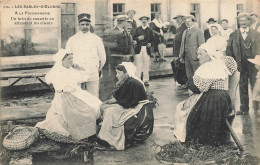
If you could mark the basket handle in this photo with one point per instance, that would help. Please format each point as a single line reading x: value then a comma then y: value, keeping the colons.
x: 16, y: 126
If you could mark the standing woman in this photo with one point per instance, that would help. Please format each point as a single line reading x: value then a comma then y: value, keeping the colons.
x: 73, y: 111
x: 157, y: 25
x: 216, y: 39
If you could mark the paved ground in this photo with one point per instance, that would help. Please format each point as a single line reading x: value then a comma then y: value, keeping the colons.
x: 247, y: 127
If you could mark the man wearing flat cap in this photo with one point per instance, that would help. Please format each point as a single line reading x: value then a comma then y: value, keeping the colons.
x: 255, y: 22
x: 88, y: 52
x: 144, y: 37
x: 244, y: 44
x: 121, y: 21
x: 114, y: 34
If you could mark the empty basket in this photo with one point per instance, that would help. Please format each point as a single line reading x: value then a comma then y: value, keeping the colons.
x: 20, y: 138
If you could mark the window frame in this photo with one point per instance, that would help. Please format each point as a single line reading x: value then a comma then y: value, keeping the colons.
x: 158, y: 9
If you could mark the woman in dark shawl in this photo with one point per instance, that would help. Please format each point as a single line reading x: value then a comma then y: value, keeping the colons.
x: 126, y: 116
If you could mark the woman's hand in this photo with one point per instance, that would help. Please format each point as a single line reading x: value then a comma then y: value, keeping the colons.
x: 75, y: 66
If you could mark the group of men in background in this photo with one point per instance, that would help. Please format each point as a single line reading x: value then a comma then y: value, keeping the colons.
x: 242, y: 44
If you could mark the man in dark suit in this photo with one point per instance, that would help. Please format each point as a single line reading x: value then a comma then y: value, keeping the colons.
x: 177, y: 38
x: 192, y: 38
x: 244, y: 44
x: 111, y: 40
x: 144, y: 37
x: 181, y: 77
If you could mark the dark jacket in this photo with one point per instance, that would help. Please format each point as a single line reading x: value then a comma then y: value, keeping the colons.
x: 134, y: 26
x: 148, y: 38
x: 233, y: 47
x: 177, y: 40
x: 193, y: 39
x: 206, y: 34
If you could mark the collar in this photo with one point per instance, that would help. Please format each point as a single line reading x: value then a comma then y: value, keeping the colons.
x: 191, y: 27
x: 244, y: 30
x: 120, y: 29
x: 84, y: 33
x: 144, y: 27
x: 158, y: 23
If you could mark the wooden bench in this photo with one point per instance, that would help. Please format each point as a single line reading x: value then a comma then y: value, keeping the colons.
x: 38, y: 74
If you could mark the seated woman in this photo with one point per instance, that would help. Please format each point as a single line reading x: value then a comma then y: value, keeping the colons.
x: 73, y: 111
x: 201, y: 118
x: 125, y: 118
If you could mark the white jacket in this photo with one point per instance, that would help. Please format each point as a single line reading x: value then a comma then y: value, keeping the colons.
x: 88, y: 52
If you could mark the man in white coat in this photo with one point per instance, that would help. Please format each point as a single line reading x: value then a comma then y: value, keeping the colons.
x: 88, y: 52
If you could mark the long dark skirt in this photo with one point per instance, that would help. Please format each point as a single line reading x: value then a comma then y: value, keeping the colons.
x: 206, y: 121
x: 138, y: 128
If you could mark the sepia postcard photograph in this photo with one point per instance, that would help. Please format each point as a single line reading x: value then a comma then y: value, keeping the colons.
x: 130, y: 82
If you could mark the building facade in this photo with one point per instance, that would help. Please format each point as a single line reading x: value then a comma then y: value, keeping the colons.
x: 28, y: 39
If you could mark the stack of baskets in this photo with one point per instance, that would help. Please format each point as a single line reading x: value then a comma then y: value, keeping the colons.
x: 21, y: 138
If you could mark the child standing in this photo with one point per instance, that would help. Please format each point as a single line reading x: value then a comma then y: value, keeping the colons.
x: 256, y: 90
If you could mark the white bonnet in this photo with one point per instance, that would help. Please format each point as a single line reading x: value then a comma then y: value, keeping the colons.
x: 59, y: 55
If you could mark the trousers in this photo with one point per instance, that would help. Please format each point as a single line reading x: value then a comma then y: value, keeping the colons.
x: 142, y: 63
x: 247, y: 75
x: 191, y: 65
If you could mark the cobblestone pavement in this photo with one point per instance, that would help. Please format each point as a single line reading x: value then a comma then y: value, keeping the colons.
x: 247, y: 128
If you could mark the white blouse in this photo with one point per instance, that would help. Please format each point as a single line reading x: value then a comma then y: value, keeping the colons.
x: 64, y: 79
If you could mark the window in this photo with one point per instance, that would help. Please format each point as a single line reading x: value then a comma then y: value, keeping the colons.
x: 240, y: 8
x: 118, y: 9
x: 195, y: 11
x: 155, y: 7
x: 67, y: 22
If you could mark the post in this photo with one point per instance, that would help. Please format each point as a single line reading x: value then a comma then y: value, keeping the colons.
x: 219, y: 10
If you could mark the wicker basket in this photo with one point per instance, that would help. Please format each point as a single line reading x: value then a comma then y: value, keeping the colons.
x: 20, y: 138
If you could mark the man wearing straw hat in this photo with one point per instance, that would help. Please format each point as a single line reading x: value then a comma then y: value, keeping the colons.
x: 144, y: 37
x: 88, y: 52
x: 244, y: 44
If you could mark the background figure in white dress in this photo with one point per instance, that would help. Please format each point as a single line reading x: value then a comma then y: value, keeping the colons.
x: 226, y: 29
x: 217, y: 40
